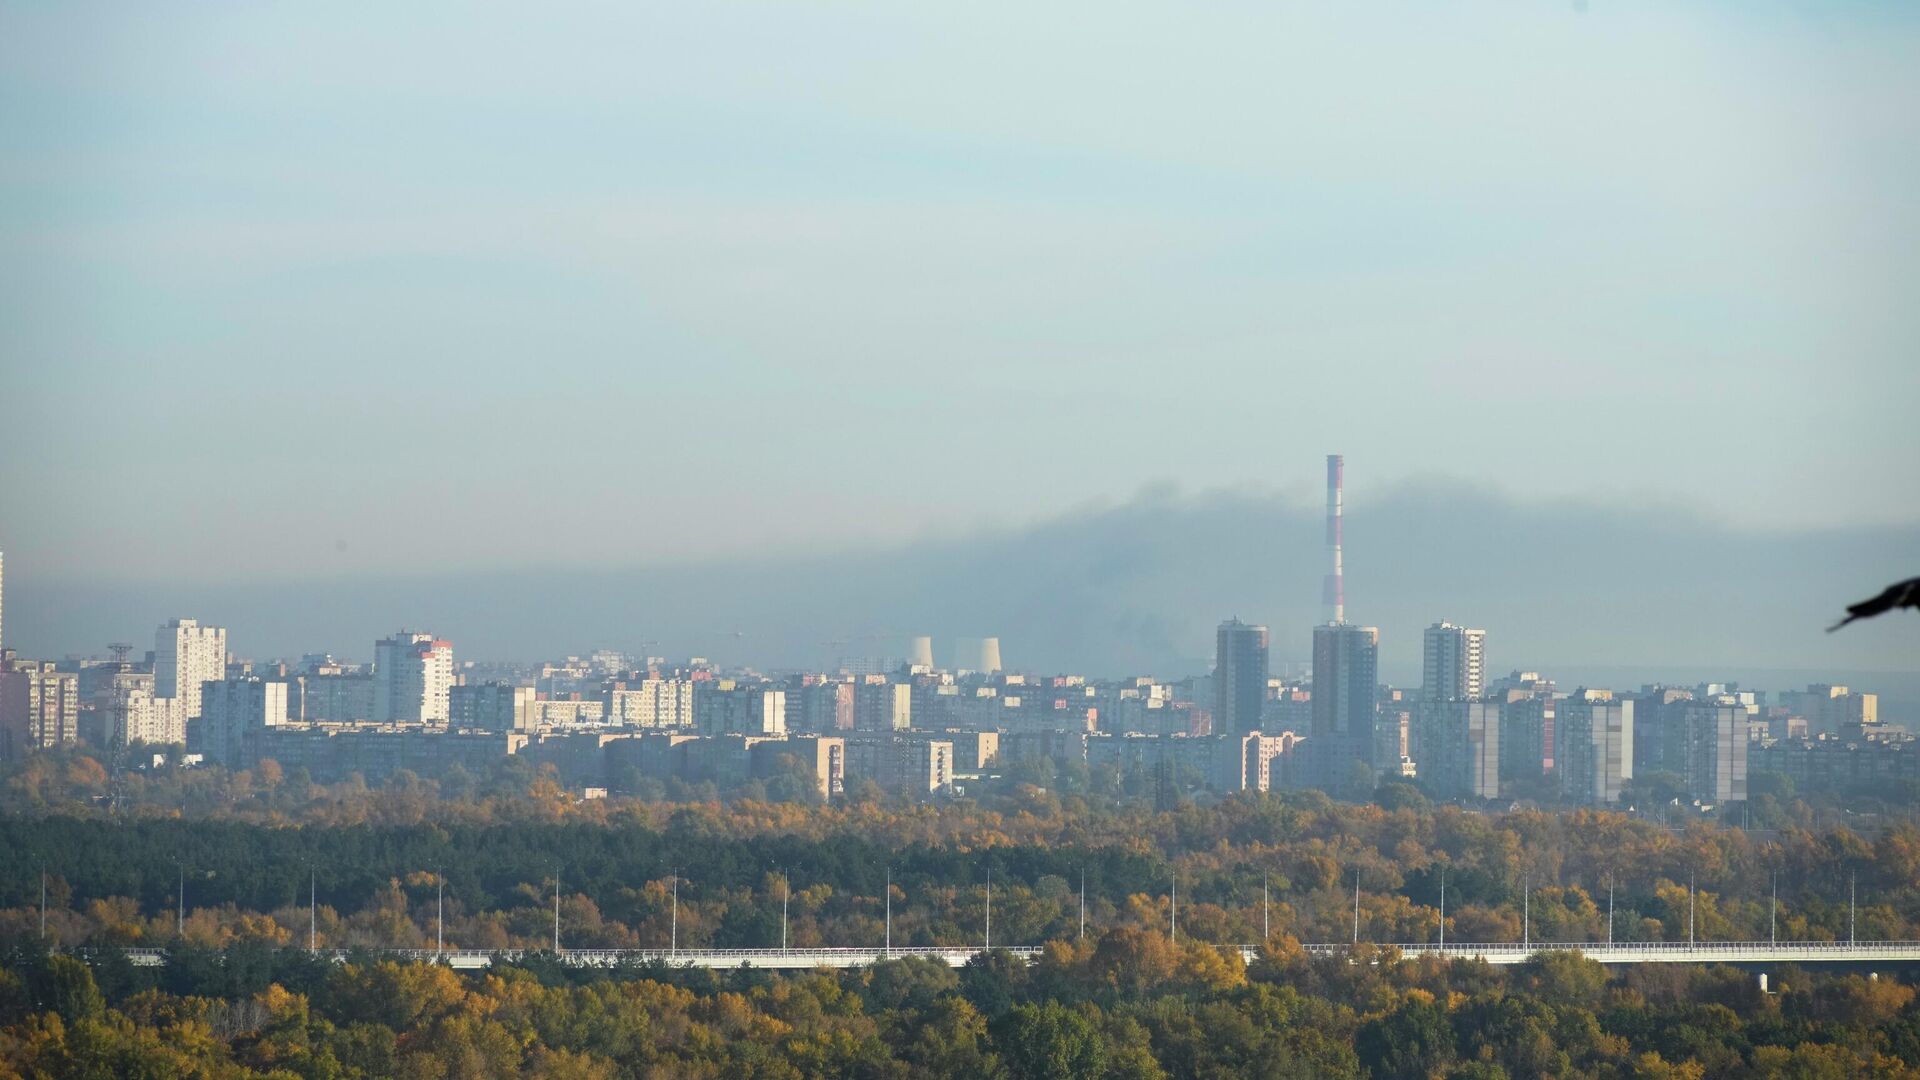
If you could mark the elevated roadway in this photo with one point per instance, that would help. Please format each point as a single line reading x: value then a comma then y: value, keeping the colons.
x: 1716, y: 952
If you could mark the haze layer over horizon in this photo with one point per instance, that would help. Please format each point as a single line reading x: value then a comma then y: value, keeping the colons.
x: 440, y: 293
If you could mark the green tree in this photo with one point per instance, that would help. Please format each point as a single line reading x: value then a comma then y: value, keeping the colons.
x: 1410, y: 1042
x: 1049, y: 1042
x: 65, y: 985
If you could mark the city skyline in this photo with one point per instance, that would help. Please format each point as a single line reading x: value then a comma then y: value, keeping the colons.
x: 979, y: 540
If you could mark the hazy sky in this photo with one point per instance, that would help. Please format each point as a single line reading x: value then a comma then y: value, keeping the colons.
x: 334, y: 290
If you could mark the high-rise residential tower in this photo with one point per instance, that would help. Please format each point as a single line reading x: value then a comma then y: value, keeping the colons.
x: 1454, y: 663
x: 187, y: 655
x: 879, y: 705
x: 1456, y: 746
x: 1595, y: 751
x: 412, y: 678
x: 1239, y: 677
x: 39, y: 707
x: 1346, y: 691
x: 1716, y: 750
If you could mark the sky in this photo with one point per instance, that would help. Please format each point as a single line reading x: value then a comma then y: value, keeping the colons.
x: 296, y: 293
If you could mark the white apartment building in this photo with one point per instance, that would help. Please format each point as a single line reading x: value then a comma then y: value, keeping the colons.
x: 185, y: 656
x: 1454, y: 667
x: 651, y: 703
x: 39, y: 707
x: 136, y: 715
x: 412, y: 678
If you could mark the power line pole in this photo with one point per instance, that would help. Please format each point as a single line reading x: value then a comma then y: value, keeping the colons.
x: 180, y: 920
x: 989, y: 909
x: 1526, y: 912
x: 786, y: 890
x: 556, y: 909
x: 440, y: 913
x: 313, y: 908
x: 1266, y: 915
x: 43, y: 903
x: 1853, y: 886
x: 673, y: 939
x: 1773, y: 908
x: 889, y: 945
x: 1443, y: 908
x: 1083, y: 903
x: 1609, y: 909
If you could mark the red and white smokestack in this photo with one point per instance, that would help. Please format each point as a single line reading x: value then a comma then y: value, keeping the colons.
x: 1336, y: 596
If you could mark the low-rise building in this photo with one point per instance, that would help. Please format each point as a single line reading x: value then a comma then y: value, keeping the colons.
x: 918, y: 766
x: 1254, y: 761
x: 824, y: 755
x: 331, y: 752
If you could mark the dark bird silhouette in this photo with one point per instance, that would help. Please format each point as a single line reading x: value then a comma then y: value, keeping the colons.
x: 1904, y: 594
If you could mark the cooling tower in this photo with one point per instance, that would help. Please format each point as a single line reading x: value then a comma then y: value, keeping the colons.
x: 989, y: 655
x: 921, y: 652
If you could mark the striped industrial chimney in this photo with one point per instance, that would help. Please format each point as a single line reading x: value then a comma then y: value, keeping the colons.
x: 1336, y: 596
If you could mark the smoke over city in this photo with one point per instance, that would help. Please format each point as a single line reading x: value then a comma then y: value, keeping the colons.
x: 1132, y: 587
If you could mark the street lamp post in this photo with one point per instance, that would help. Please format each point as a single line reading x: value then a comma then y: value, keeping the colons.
x: 1356, y: 909
x: 1609, y: 909
x: 1526, y: 912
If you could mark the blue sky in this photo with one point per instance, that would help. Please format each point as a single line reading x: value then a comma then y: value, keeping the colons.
x: 320, y: 290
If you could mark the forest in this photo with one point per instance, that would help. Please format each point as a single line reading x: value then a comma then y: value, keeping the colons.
x: 1125, y: 1004
x: 407, y: 864
x: 235, y: 875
